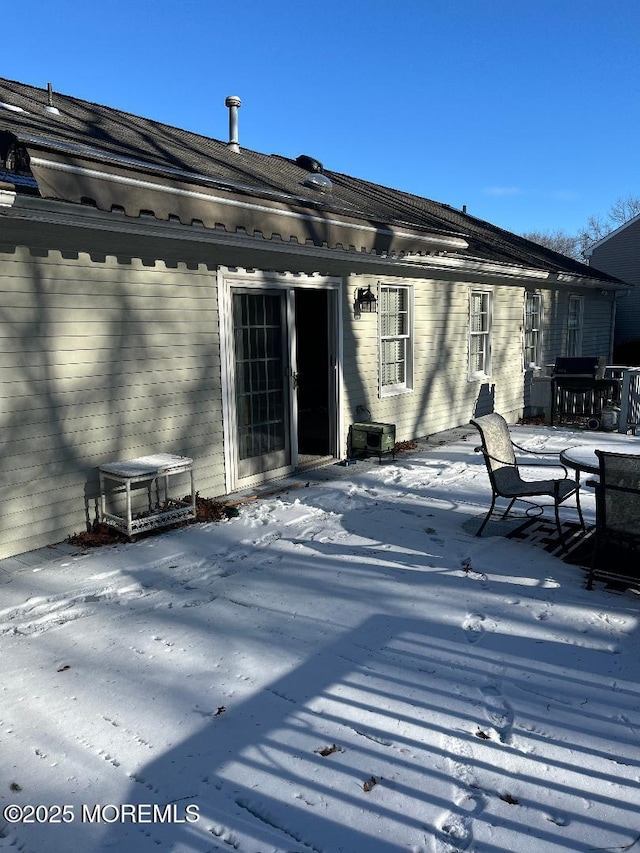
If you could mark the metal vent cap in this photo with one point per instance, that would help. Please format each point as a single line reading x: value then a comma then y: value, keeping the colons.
x: 309, y: 163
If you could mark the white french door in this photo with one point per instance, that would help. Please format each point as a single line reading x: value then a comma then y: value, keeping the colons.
x: 261, y: 360
x: 279, y: 343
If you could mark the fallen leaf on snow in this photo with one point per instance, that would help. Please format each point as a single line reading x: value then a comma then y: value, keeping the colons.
x: 509, y: 799
x: 328, y: 750
x: 369, y: 785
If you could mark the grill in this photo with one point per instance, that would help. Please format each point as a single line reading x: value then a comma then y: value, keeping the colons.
x: 579, y: 391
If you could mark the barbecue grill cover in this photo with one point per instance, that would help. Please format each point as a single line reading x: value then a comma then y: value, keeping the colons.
x: 586, y: 366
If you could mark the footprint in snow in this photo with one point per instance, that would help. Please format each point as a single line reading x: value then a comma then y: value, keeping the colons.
x: 460, y: 760
x: 455, y: 828
x: 455, y: 833
x: 498, y: 711
x: 474, y: 626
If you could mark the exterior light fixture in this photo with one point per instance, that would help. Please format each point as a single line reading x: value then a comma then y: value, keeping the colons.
x: 365, y: 302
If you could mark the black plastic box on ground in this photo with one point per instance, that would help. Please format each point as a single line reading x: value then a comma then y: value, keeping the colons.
x: 373, y: 437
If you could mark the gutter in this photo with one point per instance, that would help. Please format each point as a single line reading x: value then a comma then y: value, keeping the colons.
x: 480, y: 266
x: 65, y: 214
x: 52, y: 212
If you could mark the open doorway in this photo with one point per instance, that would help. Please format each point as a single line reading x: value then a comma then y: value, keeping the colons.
x: 314, y: 374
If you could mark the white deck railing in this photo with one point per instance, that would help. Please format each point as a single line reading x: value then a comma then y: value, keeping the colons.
x: 630, y: 400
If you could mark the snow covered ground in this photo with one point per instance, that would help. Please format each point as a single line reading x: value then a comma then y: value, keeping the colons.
x: 343, y: 667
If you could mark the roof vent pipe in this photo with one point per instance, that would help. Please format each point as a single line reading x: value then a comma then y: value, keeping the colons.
x: 233, y: 102
x: 50, y: 107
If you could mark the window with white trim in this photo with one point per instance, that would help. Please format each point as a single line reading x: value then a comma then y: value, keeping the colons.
x: 574, y: 326
x: 480, y: 307
x: 532, y: 330
x: 395, y: 324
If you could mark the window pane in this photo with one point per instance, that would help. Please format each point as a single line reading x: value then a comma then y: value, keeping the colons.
x: 393, y: 362
x: 479, y: 329
x: 479, y: 315
x: 477, y: 354
x: 574, y: 327
x: 532, y: 315
x: 393, y: 311
x: 395, y: 332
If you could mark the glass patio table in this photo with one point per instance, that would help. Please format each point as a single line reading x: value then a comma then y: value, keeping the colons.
x: 582, y: 458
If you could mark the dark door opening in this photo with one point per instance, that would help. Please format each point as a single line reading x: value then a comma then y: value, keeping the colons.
x: 313, y: 373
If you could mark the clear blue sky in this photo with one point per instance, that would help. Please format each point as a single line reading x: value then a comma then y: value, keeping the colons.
x: 527, y: 111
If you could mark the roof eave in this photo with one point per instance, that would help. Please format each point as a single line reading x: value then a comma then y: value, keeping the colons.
x: 54, y: 212
x: 588, y: 253
x: 484, y: 267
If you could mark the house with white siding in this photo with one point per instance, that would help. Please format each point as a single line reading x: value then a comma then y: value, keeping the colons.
x: 164, y: 292
x: 618, y: 254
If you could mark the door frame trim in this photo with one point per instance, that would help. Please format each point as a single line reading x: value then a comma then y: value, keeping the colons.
x: 229, y: 280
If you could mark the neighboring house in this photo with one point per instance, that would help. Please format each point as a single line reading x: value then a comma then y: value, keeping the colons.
x: 166, y: 292
x: 618, y: 254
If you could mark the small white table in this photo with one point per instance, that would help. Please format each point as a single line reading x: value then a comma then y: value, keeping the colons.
x: 149, y: 470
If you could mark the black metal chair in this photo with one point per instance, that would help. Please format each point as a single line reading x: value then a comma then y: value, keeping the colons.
x: 504, y: 473
x: 616, y: 553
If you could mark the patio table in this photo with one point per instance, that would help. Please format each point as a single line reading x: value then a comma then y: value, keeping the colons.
x: 583, y: 457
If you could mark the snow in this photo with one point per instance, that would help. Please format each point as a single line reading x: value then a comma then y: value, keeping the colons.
x: 342, y: 667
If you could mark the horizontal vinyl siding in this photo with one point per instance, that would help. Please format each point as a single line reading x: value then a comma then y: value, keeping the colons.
x: 596, y: 327
x: 596, y: 324
x: 442, y: 395
x: 620, y: 256
x: 100, y: 361
x: 555, y: 306
x: 507, y: 373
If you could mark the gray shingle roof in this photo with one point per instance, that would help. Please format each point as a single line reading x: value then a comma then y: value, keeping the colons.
x: 112, y: 135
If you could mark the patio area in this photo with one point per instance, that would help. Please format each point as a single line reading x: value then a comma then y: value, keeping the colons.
x: 342, y: 666
x: 529, y: 525
x: 533, y: 524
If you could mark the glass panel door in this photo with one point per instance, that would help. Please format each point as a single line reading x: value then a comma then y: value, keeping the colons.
x: 262, y: 405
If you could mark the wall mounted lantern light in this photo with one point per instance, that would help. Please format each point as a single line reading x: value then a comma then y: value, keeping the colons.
x: 365, y: 302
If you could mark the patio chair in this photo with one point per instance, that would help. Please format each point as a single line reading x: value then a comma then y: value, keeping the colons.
x: 617, y: 537
x: 504, y: 473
